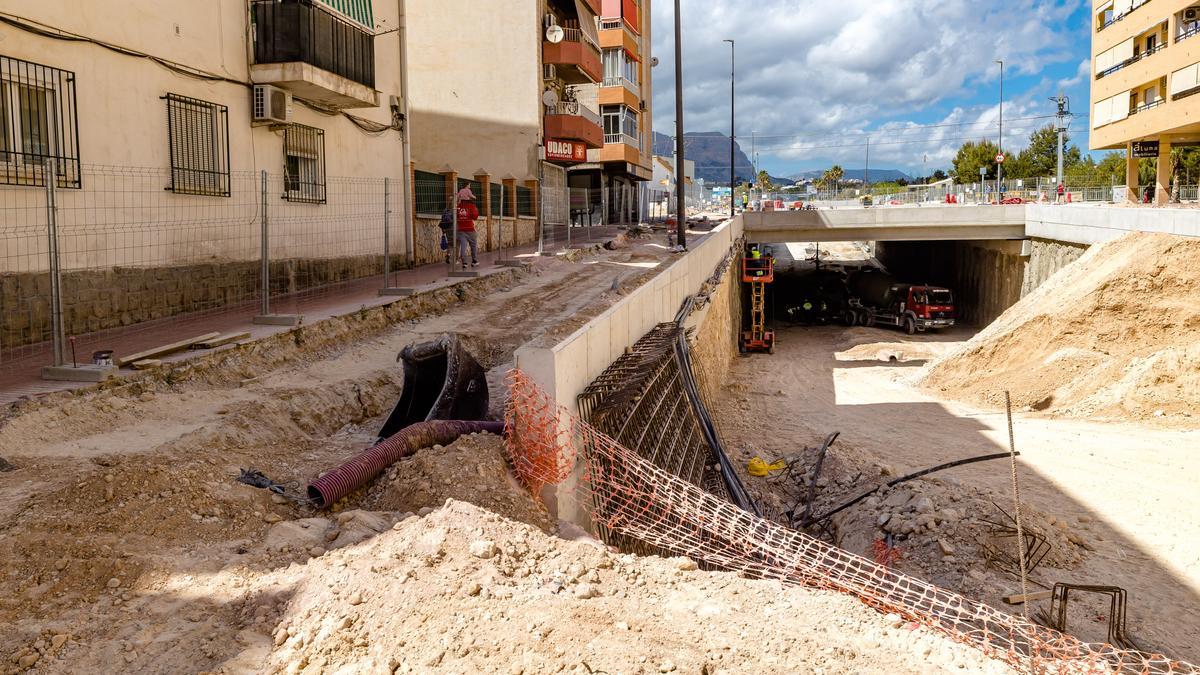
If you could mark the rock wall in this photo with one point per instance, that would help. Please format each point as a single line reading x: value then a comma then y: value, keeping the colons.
x: 714, y: 343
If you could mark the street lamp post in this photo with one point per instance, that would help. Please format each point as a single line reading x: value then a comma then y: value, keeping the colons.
x: 680, y: 199
x: 1000, y: 165
x: 732, y: 113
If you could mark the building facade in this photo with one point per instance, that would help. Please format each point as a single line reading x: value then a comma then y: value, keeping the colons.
x: 1145, y: 77
x: 622, y: 98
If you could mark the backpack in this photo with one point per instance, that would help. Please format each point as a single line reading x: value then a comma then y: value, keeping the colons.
x: 447, y: 222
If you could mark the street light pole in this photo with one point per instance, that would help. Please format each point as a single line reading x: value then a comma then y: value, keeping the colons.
x: 680, y: 198
x: 1000, y: 165
x: 732, y: 113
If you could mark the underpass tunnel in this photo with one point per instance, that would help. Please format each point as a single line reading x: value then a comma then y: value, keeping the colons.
x: 986, y: 277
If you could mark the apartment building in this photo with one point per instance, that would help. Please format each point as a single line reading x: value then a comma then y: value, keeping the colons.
x: 1145, y: 77
x: 621, y: 95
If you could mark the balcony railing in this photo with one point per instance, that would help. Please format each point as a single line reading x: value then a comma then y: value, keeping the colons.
x: 1194, y: 30
x: 1121, y: 17
x: 622, y: 82
x: 577, y: 35
x: 626, y: 139
x: 576, y: 109
x: 289, y: 31
x: 1147, y: 106
x: 1129, y: 62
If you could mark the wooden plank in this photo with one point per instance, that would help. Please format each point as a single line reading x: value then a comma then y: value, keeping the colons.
x: 220, y: 341
x: 146, y: 363
x: 1017, y: 598
x: 164, y: 349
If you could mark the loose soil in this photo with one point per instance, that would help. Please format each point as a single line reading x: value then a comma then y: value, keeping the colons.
x: 1105, y: 495
x: 1116, y: 335
x: 128, y: 546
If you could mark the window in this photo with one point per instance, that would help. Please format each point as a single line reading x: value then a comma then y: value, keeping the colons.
x: 619, y: 120
x: 304, y: 164
x: 199, y: 142
x: 37, y: 123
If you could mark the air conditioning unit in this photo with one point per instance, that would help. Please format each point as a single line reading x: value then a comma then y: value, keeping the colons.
x: 272, y: 105
x: 549, y: 72
x: 1191, y: 13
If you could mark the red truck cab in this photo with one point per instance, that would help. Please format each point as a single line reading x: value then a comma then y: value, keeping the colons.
x: 932, y: 306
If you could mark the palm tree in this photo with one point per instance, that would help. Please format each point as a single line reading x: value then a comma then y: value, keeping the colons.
x: 831, y: 177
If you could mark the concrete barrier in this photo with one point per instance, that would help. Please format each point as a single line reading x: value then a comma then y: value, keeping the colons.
x: 1087, y: 224
x: 958, y: 223
x: 565, y: 369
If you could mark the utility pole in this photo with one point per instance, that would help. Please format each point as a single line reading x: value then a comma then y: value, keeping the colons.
x: 680, y: 199
x: 1000, y: 165
x: 867, y: 169
x: 732, y: 113
x: 1064, y: 113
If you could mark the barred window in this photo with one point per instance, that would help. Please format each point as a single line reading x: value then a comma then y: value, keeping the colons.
x: 37, y: 123
x: 199, y: 141
x: 304, y: 164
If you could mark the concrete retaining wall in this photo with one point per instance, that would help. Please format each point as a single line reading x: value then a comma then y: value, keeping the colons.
x: 1082, y: 224
x: 563, y: 370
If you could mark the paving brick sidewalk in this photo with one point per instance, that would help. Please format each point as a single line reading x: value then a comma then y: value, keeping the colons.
x: 21, y: 376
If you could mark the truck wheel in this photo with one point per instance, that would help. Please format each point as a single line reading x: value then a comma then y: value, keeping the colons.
x: 848, y: 318
x: 868, y: 320
x: 910, y: 326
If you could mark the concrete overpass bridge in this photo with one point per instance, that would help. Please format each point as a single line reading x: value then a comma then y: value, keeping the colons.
x: 931, y: 223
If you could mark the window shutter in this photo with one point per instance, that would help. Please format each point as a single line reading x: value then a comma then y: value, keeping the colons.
x: 1185, y: 79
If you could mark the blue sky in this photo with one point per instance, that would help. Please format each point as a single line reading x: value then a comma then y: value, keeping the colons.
x: 916, y: 77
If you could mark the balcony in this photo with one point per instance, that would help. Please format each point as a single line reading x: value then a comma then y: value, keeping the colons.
x: 576, y: 59
x: 630, y: 85
x: 313, y: 53
x: 568, y: 120
x: 1136, y: 57
x: 621, y: 147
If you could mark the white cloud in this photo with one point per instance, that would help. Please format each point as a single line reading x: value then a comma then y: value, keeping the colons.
x: 828, y: 70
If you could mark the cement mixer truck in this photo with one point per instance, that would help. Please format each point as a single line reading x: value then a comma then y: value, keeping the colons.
x: 878, y: 299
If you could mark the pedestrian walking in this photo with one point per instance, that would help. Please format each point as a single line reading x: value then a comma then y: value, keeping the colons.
x: 468, y: 213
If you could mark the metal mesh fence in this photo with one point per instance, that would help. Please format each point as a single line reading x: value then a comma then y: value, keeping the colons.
x: 131, y: 253
x: 630, y: 496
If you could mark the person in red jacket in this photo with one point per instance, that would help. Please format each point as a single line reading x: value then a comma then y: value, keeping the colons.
x: 468, y: 213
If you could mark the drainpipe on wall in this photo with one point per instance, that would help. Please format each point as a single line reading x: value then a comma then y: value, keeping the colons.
x: 406, y: 172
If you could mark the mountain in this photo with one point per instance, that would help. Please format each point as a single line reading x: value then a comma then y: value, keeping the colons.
x: 877, y: 175
x: 710, y: 151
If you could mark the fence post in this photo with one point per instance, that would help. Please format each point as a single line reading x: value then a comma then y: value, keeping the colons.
x: 387, y: 244
x: 56, y: 320
x: 266, y: 318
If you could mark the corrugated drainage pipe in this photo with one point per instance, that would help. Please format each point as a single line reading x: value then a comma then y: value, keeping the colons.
x: 355, y: 473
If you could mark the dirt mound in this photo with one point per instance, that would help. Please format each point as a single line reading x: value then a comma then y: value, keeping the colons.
x: 473, y: 469
x: 464, y: 590
x: 1116, y: 334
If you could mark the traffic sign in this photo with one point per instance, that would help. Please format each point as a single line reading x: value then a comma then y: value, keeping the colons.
x: 1000, y: 158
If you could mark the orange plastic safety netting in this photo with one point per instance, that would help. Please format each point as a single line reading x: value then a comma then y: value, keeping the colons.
x: 628, y: 495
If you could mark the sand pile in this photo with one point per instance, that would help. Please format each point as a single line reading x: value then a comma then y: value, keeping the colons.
x: 1116, y: 334
x: 464, y: 590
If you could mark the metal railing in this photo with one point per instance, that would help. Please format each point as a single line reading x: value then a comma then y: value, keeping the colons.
x: 1147, y: 106
x: 577, y: 35
x: 287, y: 31
x: 632, y: 141
x: 574, y: 108
x: 621, y: 81
x: 1121, y: 17
x: 1195, y: 29
x: 1132, y: 60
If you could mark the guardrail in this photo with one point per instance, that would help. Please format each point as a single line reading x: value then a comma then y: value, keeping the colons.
x: 574, y: 108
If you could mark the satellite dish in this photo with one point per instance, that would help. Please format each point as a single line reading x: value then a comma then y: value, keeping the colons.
x: 555, y: 34
x: 550, y: 97
x: 654, y: 62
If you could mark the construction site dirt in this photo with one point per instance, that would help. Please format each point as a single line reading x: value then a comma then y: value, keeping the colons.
x: 1105, y: 496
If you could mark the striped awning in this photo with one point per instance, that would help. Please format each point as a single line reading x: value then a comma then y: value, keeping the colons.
x: 358, y: 11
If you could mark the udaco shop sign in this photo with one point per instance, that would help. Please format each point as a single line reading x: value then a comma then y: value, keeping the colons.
x: 565, y: 151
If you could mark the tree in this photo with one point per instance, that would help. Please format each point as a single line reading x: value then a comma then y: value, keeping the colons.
x: 938, y: 175
x: 971, y: 157
x: 831, y: 177
x: 764, y: 181
x: 1040, y: 158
